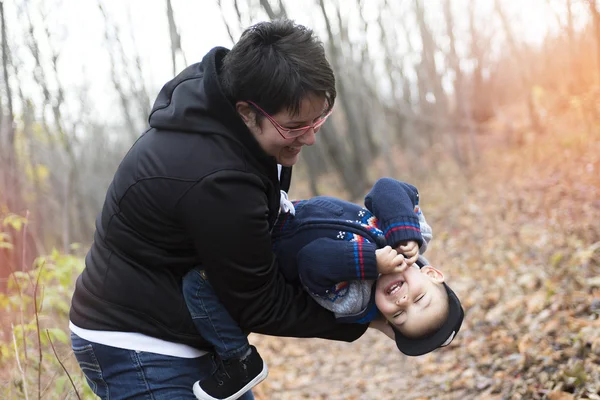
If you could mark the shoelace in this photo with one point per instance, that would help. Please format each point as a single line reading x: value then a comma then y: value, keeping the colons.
x: 221, y: 373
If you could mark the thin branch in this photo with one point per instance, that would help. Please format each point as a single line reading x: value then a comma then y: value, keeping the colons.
x: 23, y: 377
x: 175, y: 38
x: 141, y: 92
x: 268, y: 9
x: 124, y: 100
x: 225, y: 20
x: 23, y: 247
x: 282, y: 11
x: 236, y: 6
x: 37, y: 324
x: 62, y: 365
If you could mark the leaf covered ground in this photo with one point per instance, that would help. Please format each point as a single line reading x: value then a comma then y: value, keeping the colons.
x: 519, y: 241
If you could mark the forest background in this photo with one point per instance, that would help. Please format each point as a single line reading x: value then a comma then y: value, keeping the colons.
x: 490, y: 107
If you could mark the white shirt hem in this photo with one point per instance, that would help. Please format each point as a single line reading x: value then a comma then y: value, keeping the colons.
x: 137, y: 341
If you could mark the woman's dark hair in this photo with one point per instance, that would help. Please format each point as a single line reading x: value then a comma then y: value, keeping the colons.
x: 276, y: 64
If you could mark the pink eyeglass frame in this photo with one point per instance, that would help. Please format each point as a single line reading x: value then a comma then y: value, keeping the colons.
x: 296, y: 132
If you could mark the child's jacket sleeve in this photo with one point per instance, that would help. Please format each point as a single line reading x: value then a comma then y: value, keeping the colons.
x: 426, y: 230
x: 340, y: 276
x: 393, y: 203
x: 324, y: 262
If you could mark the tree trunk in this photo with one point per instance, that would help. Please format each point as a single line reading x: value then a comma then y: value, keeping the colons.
x: 271, y: 13
x: 525, y: 68
x: 174, y: 35
x: 434, y: 80
x: 596, y: 20
x: 461, y: 104
x: 11, y: 176
x: 358, y: 158
x: 340, y: 160
x: 224, y: 21
x: 310, y: 157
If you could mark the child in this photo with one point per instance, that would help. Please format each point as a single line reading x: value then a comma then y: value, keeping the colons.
x: 337, y: 250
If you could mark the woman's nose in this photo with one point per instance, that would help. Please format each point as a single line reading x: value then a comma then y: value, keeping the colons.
x: 308, y: 139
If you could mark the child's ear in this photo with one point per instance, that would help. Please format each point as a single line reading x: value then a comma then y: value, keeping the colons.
x: 433, y: 273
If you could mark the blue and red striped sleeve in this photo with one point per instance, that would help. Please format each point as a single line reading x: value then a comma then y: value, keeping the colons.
x: 325, y: 262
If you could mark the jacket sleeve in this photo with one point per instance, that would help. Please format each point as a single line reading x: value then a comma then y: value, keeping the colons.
x: 426, y: 230
x: 226, y: 214
x: 393, y: 203
x: 325, y: 262
x: 352, y: 302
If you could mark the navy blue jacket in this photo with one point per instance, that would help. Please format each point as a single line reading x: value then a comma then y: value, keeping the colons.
x: 330, y: 242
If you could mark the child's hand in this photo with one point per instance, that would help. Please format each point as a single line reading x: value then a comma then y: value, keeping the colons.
x: 410, y: 250
x: 388, y: 261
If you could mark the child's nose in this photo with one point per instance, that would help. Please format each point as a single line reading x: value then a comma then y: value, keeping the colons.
x: 401, y: 300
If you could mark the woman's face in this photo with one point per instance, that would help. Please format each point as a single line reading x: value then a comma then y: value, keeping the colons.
x: 286, y: 151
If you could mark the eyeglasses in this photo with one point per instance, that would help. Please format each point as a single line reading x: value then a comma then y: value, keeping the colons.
x: 288, y: 133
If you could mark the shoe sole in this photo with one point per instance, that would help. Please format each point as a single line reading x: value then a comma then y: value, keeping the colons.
x: 202, y: 395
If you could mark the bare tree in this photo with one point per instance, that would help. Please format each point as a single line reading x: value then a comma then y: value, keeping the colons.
x: 59, y: 136
x: 525, y: 68
x: 175, y: 39
x: 576, y: 73
x: 596, y: 21
x: 138, y: 86
x: 478, y: 98
x: 366, y: 102
x: 220, y: 4
x: 12, y: 187
x: 281, y: 13
x: 433, y: 81
x: 113, y: 44
x: 354, y: 180
x: 358, y: 157
x: 463, y: 108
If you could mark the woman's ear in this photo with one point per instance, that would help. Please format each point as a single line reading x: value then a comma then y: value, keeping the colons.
x: 433, y: 273
x: 246, y: 112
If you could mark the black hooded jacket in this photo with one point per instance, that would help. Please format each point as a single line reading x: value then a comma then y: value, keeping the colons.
x: 195, y: 189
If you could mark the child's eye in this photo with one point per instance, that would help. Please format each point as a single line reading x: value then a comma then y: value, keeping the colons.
x: 420, y: 297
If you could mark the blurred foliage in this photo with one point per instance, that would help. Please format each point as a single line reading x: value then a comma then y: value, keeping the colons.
x: 35, y: 307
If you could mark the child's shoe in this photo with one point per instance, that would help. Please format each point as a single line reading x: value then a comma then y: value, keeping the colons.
x: 233, y: 378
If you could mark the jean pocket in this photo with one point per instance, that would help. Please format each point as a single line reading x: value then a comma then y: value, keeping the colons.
x: 86, y: 358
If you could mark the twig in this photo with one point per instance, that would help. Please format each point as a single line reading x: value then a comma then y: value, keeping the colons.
x: 19, y: 362
x: 23, y: 245
x: 24, y: 238
x: 37, y: 324
x: 50, y: 382
x: 62, y: 365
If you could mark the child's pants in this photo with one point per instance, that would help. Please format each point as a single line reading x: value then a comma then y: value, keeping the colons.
x: 211, y: 318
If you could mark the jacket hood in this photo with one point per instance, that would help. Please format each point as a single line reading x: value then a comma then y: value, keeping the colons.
x: 194, y: 101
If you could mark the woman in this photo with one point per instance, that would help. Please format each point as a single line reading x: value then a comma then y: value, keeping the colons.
x: 201, y: 187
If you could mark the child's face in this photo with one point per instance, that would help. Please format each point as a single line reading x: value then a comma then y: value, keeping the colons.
x: 414, y: 301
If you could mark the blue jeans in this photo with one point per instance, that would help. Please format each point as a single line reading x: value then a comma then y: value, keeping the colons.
x: 116, y: 374
x: 211, y: 318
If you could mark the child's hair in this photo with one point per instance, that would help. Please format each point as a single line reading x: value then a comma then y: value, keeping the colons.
x: 437, y: 337
x: 436, y: 323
